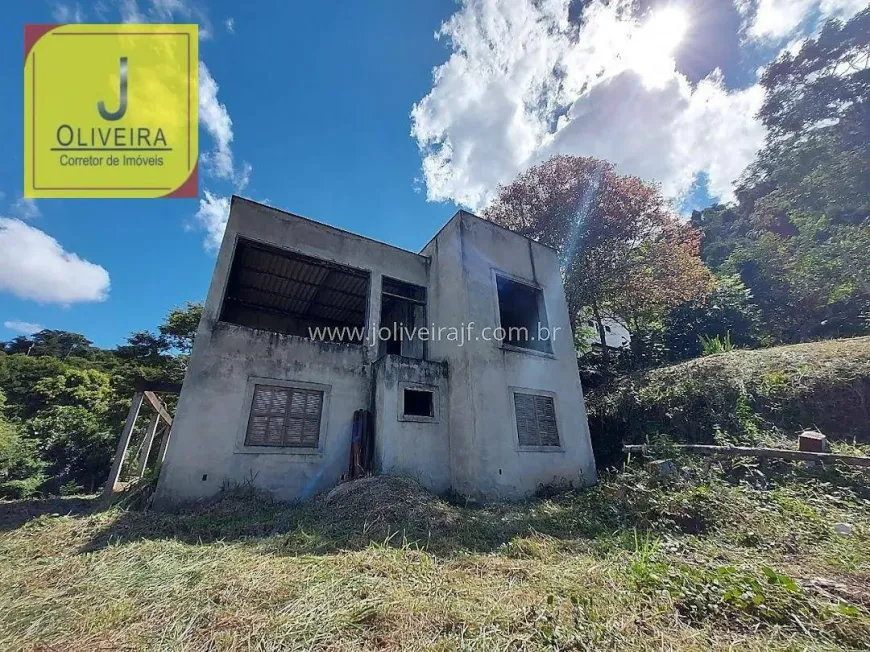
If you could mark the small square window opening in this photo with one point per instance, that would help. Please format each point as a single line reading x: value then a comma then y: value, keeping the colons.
x: 419, y: 403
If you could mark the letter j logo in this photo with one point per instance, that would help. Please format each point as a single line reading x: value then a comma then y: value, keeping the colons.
x: 122, y: 108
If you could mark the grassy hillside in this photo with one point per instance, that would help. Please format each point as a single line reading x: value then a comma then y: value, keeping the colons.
x: 717, y: 557
x: 740, y: 397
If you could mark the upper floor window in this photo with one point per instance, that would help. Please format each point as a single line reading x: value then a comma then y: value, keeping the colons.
x: 522, y: 315
x: 403, y: 313
x: 278, y: 290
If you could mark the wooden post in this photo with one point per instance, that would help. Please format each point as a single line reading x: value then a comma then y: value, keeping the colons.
x: 123, y: 443
x: 761, y: 453
x: 150, y: 431
x: 164, y: 445
x: 158, y: 406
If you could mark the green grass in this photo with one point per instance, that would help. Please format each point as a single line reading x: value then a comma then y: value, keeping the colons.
x: 718, y: 557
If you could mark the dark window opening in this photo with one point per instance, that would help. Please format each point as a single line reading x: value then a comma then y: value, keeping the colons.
x: 419, y: 403
x: 403, y: 313
x: 536, y: 420
x: 276, y: 290
x: 522, y: 315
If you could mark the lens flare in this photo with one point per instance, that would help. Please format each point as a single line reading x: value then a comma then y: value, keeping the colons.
x: 665, y: 29
x: 651, y: 48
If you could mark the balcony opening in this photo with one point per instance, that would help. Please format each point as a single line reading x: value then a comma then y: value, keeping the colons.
x: 284, y: 292
x: 403, y: 313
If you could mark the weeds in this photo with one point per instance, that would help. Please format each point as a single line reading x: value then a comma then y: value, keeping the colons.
x: 716, y: 344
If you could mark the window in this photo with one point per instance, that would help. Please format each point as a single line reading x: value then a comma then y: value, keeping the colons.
x: 536, y: 420
x: 277, y: 290
x: 522, y: 315
x: 403, y: 312
x: 285, y: 416
x: 419, y: 403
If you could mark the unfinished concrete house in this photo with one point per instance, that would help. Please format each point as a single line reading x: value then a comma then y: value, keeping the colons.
x: 307, y: 327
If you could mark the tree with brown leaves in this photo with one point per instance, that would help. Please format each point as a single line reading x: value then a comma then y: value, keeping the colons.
x: 624, y: 253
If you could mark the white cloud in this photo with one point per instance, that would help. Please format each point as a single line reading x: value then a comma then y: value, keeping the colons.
x: 230, y: 24
x: 25, y: 208
x: 523, y: 83
x: 26, y: 327
x: 212, y: 216
x: 130, y: 12
x: 166, y: 11
x: 33, y: 265
x: 776, y: 20
x: 68, y: 13
x: 216, y: 120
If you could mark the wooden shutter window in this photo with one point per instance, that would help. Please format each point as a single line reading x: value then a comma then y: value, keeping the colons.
x: 536, y: 420
x: 285, y: 416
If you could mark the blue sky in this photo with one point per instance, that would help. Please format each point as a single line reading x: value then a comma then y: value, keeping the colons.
x: 355, y: 114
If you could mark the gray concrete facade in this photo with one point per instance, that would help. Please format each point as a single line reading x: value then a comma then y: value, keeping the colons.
x: 467, y: 441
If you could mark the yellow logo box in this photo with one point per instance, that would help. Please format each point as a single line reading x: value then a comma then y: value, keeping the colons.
x: 110, y: 110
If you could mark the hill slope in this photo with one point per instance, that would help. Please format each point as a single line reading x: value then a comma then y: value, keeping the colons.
x: 740, y: 397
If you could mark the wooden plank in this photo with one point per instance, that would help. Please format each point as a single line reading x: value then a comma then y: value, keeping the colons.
x: 124, y: 442
x: 164, y: 445
x: 158, y: 406
x: 150, y: 431
x: 774, y: 453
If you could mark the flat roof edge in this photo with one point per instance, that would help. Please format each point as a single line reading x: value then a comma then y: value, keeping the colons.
x: 324, y: 225
x: 462, y: 211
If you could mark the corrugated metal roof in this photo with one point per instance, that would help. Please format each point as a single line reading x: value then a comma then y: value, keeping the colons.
x: 280, y: 281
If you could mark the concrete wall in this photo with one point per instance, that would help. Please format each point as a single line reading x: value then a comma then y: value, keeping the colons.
x: 486, y: 457
x: 417, y: 447
x: 473, y: 446
x: 207, y: 448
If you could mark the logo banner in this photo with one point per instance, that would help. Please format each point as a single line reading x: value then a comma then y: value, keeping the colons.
x: 110, y: 110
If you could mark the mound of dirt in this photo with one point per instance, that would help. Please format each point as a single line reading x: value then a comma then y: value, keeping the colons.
x: 398, y: 502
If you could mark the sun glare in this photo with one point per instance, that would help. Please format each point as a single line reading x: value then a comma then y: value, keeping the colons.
x: 664, y: 29
x: 651, y: 49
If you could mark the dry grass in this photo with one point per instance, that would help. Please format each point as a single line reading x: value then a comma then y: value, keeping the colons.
x: 635, y: 563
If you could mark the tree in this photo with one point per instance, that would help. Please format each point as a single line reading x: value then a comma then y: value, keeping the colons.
x: 728, y: 311
x: 826, y: 82
x: 53, y: 343
x: 623, y: 251
x: 179, y: 327
x: 21, y: 470
x: 800, y: 235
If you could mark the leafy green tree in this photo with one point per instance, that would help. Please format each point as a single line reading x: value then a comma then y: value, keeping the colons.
x: 67, y: 400
x: 89, y: 389
x: 21, y: 470
x: 53, y: 343
x: 727, y: 312
x: 19, y: 375
x: 179, y: 327
x: 75, y: 443
x: 799, y: 237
